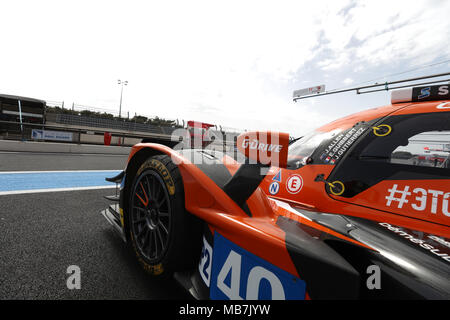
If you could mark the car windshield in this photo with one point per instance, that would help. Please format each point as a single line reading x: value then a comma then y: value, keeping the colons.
x: 303, y: 148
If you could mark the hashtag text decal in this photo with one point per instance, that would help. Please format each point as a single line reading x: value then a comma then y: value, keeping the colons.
x: 402, y: 200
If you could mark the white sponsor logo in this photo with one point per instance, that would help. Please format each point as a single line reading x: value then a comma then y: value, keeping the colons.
x: 438, y: 199
x: 440, y: 240
x: 233, y: 267
x: 420, y: 242
x: 443, y: 91
x: 255, y: 144
x: 342, y: 142
x: 444, y: 105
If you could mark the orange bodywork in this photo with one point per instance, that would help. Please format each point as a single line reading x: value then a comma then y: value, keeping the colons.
x: 258, y: 234
x: 314, y: 195
x: 203, y: 198
x: 371, y: 204
x: 261, y: 235
x: 366, y: 115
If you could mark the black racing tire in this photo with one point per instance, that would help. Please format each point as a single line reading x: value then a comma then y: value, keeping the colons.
x: 164, y: 236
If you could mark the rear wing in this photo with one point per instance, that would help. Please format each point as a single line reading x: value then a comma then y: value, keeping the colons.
x: 422, y: 93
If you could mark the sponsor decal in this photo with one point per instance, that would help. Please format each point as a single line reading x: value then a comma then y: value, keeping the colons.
x: 161, y: 168
x: 264, y: 147
x: 430, y: 93
x: 121, y: 217
x: 422, y: 243
x: 238, y: 274
x: 38, y: 134
x: 443, y: 91
x: 424, y: 93
x: 382, y: 130
x: 277, y: 177
x: 204, y: 266
x: 153, y: 269
x: 255, y: 144
x: 419, y: 199
x: 274, y: 188
x: 444, y: 105
x: 294, y: 184
x: 340, y: 144
x: 336, y: 187
x: 440, y: 240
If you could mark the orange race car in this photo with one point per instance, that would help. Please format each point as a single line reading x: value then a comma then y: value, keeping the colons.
x: 356, y: 209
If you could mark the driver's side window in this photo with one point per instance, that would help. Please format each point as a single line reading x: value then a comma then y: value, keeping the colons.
x: 427, y: 149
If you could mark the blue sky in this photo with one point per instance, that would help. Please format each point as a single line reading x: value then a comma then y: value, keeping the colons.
x: 232, y: 63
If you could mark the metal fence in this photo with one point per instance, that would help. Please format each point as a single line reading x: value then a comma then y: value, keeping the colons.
x: 85, y: 121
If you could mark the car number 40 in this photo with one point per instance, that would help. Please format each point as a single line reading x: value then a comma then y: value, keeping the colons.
x: 233, y: 265
x: 238, y: 274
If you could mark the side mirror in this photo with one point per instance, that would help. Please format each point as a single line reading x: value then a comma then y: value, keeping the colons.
x: 265, y: 147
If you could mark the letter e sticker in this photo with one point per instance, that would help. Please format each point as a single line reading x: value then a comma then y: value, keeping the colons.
x: 294, y: 184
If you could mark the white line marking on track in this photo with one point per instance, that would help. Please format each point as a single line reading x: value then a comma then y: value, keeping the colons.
x: 4, y: 193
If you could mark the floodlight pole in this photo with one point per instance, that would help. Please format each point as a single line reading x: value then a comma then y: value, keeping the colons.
x: 122, y: 83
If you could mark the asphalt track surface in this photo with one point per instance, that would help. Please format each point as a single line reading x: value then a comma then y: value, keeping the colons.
x: 27, y: 161
x: 42, y: 234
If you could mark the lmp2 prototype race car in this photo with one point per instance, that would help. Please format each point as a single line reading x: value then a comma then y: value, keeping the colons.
x: 357, y: 209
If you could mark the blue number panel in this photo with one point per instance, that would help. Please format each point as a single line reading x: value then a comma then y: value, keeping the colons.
x: 238, y: 274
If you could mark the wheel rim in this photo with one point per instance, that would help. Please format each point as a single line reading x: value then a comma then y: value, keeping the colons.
x: 150, y: 216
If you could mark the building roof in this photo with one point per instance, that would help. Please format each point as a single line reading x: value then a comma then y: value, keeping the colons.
x: 7, y: 96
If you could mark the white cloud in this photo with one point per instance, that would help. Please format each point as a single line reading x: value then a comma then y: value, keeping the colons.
x: 348, y: 81
x: 383, y: 31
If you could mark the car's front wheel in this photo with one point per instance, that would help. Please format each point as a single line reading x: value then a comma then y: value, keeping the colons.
x: 164, y: 236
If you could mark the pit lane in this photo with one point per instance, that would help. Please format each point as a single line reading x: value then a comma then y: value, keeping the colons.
x: 42, y: 234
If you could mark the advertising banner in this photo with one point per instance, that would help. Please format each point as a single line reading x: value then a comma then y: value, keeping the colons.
x: 51, y: 135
